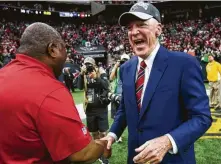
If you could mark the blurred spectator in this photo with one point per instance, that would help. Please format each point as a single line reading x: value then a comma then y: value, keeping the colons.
x: 196, y: 37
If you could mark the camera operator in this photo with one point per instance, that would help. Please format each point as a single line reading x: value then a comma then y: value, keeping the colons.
x: 117, y: 84
x: 68, y: 72
x: 96, y: 88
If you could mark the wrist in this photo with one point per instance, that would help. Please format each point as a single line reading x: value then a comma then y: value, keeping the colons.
x: 169, y: 145
x: 113, y: 136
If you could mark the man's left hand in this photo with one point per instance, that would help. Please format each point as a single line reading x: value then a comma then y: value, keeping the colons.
x: 153, y: 150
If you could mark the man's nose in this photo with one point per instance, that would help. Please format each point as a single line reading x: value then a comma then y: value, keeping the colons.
x: 134, y: 30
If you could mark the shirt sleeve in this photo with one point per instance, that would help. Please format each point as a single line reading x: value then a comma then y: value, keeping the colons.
x: 60, y: 126
x: 113, y: 135
x: 175, y: 149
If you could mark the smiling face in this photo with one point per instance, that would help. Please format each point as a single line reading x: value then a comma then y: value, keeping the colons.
x: 143, y: 36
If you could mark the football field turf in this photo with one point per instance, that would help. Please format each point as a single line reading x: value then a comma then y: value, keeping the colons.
x: 207, y: 148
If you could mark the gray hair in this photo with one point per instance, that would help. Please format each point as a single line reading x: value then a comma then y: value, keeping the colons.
x: 36, y: 38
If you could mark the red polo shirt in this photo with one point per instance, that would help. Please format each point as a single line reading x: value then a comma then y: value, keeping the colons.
x: 39, y: 120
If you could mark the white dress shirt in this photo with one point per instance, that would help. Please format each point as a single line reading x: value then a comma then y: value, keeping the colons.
x: 149, y: 62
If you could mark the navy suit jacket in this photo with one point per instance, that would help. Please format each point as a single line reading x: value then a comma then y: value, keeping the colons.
x: 175, y: 102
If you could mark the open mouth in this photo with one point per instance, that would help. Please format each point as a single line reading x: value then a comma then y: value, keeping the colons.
x: 139, y: 42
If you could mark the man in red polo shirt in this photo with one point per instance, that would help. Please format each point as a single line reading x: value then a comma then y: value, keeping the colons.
x: 39, y: 121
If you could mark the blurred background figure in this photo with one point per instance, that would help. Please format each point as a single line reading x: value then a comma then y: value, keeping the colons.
x: 95, y: 83
x: 70, y: 74
x: 213, y: 75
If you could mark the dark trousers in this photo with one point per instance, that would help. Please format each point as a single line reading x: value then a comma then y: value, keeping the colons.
x: 97, y: 119
x: 69, y: 82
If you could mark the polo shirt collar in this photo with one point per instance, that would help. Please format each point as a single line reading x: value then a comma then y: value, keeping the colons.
x: 34, y: 62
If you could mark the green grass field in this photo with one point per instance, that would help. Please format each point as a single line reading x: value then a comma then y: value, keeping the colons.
x: 208, y: 151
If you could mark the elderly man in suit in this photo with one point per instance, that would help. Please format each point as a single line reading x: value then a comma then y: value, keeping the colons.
x: 164, y: 101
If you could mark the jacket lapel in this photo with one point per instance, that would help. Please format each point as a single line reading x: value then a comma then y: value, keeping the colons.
x: 131, y: 74
x: 158, y: 68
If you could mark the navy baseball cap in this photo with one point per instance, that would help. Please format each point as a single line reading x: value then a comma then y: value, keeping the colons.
x: 140, y: 11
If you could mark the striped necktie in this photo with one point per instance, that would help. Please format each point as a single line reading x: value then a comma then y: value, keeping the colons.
x: 139, y: 83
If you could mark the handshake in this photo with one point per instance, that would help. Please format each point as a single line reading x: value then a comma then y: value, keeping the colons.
x: 107, y: 143
x: 95, y: 149
x: 107, y: 150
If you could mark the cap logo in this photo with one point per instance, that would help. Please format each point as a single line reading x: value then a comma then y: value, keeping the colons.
x: 140, y: 4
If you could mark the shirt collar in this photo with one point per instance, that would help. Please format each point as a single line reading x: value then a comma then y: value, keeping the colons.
x: 34, y: 62
x: 150, y: 59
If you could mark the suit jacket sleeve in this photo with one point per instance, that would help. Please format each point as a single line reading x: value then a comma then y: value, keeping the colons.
x: 195, y: 105
x: 120, y: 122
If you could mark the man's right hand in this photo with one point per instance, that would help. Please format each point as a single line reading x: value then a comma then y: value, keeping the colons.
x: 94, y: 150
x: 110, y: 140
x: 107, y: 152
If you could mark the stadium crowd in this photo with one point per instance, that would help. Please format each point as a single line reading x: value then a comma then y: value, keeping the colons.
x: 196, y: 37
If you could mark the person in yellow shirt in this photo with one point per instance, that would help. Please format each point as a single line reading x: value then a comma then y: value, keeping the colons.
x: 213, y: 70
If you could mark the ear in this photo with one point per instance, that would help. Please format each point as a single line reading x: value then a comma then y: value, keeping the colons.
x: 51, y: 49
x: 159, y: 29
